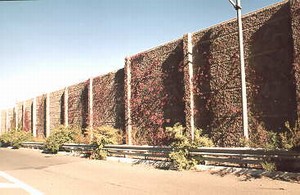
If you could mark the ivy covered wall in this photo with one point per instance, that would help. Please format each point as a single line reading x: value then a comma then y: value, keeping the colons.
x: 270, y: 86
x: 41, y: 116
x: 108, y: 100
x: 157, y: 92
x: 78, y: 104
x: 194, y: 77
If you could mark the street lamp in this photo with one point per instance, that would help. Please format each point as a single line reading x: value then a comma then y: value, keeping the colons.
x: 238, y: 8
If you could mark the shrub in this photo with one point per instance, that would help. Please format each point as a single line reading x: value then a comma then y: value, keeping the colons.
x: 258, y: 136
x: 269, y: 166
x: 181, y: 145
x: 14, y: 138
x: 270, y: 140
x: 81, y: 136
x: 202, y: 140
x: 39, y: 139
x: 60, y: 136
x: 291, y: 138
x: 180, y: 158
x: 102, y: 136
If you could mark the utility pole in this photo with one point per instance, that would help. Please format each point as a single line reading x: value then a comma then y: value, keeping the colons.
x: 238, y: 8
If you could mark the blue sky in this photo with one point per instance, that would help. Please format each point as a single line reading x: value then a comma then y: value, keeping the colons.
x: 46, y: 45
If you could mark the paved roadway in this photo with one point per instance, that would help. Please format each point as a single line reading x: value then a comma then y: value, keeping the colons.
x: 27, y: 171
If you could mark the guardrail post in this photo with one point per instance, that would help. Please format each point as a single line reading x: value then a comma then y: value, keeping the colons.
x: 128, y: 100
x: 66, y: 107
x: 189, y: 87
x: 48, y: 115
x: 34, y: 117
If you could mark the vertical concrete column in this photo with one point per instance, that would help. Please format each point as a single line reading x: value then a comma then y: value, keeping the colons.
x: 33, y: 122
x: 48, y: 115
x: 188, y: 83
x: 23, y: 115
x: 16, y: 116
x: 91, y: 99
x: 6, y: 121
x: 295, y: 26
x: 128, y: 100
x: 66, y: 107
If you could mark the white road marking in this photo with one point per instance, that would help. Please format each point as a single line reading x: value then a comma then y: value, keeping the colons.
x: 8, y: 185
x: 17, y: 184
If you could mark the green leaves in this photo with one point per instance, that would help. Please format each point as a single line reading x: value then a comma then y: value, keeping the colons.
x: 60, y: 136
x: 15, y: 137
x: 181, y: 145
x: 102, y: 136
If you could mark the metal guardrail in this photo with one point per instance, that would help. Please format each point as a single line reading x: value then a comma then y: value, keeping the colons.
x: 244, y: 156
x: 78, y: 147
x: 34, y: 145
x: 133, y: 151
x: 209, y: 155
x: 66, y: 147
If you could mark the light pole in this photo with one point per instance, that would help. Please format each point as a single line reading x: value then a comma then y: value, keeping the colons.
x: 238, y: 8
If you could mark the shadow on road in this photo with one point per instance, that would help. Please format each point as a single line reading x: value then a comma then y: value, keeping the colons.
x: 159, y: 164
x: 249, y: 174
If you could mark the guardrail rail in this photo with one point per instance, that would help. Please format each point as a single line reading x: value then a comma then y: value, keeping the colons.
x: 245, y: 157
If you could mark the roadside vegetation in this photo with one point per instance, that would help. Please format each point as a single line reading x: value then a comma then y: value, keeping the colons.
x: 62, y: 135
x: 102, y: 136
x: 14, y: 138
x: 98, y: 137
x: 179, y: 140
x: 181, y: 144
x: 288, y: 140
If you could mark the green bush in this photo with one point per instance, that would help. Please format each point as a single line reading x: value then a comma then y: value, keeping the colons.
x: 273, y: 142
x: 60, y: 136
x: 14, y: 138
x: 102, y: 136
x: 180, y: 158
x: 181, y: 145
x: 260, y: 137
x: 269, y: 166
x: 291, y: 138
x: 288, y: 139
x: 201, y: 140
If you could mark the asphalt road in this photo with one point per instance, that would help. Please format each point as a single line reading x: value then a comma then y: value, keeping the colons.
x: 27, y: 171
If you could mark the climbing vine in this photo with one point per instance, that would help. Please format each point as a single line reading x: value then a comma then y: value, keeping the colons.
x: 157, y: 91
